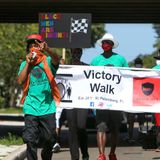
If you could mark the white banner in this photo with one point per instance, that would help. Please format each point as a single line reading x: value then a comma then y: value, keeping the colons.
x: 112, y: 88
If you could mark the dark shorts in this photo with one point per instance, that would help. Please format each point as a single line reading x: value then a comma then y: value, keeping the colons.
x: 108, y: 120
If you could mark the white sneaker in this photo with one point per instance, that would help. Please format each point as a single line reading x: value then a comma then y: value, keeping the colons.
x: 56, y: 148
x: 142, y: 129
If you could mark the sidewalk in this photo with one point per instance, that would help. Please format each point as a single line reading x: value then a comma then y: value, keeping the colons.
x: 11, y: 123
x: 13, y: 152
x: 123, y: 153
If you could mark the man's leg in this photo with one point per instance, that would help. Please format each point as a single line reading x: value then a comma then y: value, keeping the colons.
x: 114, y: 139
x: 48, y: 133
x: 82, y: 133
x: 101, y: 119
x: 30, y: 136
x: 101, y: 141
x: 56, y: 145
x: 115, y: 121
x: 141, y: 120
x: 158, y: 138
x: 73, y: 136
x: 131, y: 119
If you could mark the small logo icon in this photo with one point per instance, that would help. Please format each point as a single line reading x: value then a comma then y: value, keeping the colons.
x: 101, y: 104
x: 147, y: 88
x: 92, y: 104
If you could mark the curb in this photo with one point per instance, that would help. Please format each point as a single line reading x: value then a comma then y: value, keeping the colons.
x: 18, y: 154
x: 12, y: 117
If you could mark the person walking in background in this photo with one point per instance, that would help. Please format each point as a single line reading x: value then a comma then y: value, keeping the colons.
x: 108, y: 120
x: 62, y: 61
x: 40, y: 97
x: 76, y: 119
x: 60, y: 118
x: 138, y: 63
x: 157, y: 115
x: 69, y: 90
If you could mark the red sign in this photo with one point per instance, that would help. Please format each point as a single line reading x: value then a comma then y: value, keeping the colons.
x: 146, y: 91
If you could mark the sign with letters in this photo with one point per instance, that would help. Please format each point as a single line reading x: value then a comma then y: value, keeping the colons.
x: 112, y: 88
x: 66, y: 30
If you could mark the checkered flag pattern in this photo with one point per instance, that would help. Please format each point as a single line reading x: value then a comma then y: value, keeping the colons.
x: 80, y: 25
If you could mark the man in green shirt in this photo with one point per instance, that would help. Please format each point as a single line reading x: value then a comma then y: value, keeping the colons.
x: 157, y: 115
x: 37, y: 74
x: 108, y: 120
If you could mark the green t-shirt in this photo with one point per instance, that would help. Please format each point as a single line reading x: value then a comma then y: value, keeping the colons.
x: 39, y: 99
x: 115, y: 60
x: 156, y: 67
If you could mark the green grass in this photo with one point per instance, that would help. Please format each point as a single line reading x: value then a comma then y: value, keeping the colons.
x: 11, y: 140
x: 11, y: 110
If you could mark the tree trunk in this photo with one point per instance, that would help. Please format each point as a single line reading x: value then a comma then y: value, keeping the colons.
x: 12, y: 101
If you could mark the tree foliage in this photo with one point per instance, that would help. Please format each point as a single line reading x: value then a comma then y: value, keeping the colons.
x: 148, y: 59
x: 12, y: 51
x: 157, y: 30
x: 97, y: 32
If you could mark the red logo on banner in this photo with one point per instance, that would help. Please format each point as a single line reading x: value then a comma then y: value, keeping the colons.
x: 146, y: 91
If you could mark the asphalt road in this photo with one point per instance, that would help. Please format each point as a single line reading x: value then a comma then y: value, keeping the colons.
x: 125, y: 150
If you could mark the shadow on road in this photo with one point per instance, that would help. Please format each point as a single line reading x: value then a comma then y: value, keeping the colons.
x: 17, y: 130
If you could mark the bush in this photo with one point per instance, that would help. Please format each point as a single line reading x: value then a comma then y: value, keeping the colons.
x: 11, y: 140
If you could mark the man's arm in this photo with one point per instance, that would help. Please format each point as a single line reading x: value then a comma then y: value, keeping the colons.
x: 54, y: 56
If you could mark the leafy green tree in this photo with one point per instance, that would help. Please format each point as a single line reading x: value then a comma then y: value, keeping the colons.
x: 97, y: 32
x: 149, y: 60
x: 157, y: 30
x: 12, y: 51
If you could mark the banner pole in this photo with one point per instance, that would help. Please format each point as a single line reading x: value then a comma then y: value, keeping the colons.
x: 63, y: 53
x: 70, y: 34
